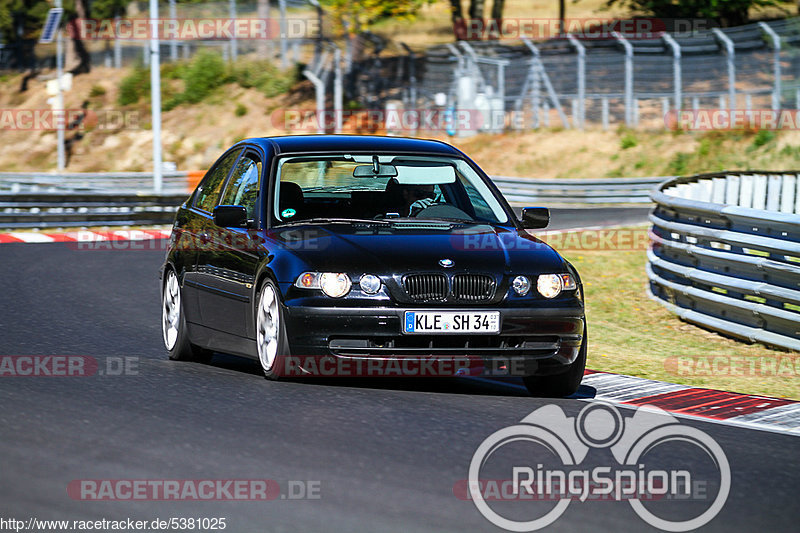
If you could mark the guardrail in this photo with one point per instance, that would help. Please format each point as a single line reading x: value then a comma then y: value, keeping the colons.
x: 75, y: 209
x: 129, y: 182
x: 578, y: 191
x: 726, y: 253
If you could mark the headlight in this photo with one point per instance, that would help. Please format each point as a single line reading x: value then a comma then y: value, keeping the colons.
x: 334, y: 284
x: 551, y: 285
x: 521, y: 285
x: 370, y: 284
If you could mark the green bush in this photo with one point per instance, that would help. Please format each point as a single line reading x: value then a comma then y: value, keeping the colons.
x: 97, y: 90
x: 679, y: 165
x: 263, y: 76
x: 763, y: 137
x: 241, y: 110
x: 628, y: 141
x: 201, y: 76
x: 204, y: 73
x: 134, y: 86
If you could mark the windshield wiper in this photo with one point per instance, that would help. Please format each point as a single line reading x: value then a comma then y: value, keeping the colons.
x: 326, y: 220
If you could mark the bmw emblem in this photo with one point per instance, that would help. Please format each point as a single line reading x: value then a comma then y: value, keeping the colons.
x: 447, y: 263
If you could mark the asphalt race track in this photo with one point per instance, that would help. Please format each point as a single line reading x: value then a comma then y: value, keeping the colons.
x: 590, y: 217
x: 385, y: 454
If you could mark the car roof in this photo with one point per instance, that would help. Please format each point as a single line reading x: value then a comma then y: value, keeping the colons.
x: 352, y: 143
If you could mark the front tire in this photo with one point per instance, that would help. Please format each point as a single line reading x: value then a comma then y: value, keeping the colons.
x: 563, y: 384
x: 271, y: 339
x: 173, y: 324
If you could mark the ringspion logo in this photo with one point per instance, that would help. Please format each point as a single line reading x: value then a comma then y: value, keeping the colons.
x: 546, y: 458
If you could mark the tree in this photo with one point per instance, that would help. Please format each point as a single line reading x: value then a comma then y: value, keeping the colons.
x: 464, y: 29
x: 727, y: 12
x: 22, y: 19
x: 358, y: 15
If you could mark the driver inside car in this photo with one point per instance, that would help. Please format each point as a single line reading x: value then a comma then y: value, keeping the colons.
x: 417, y: 197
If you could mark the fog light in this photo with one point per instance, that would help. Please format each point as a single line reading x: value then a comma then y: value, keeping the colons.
x: 334, y: 285
x: 549, y: 285
x: 370, y: 284
x: 521, y: 285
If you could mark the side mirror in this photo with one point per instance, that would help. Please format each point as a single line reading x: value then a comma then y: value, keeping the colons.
x: 535, y: 217
x: 230, y: 216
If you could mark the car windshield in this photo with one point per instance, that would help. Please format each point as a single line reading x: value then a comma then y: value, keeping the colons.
x: 382, y: 187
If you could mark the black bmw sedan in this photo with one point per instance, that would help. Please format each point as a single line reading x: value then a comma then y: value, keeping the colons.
x: 322, y: 253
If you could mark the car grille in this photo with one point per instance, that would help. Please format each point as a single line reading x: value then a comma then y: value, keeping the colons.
x: 473, y: 287
x: 467, y: 288
x: 426, y: 286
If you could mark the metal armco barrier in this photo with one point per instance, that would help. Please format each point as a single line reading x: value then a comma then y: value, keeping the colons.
x: 75, y: 209
x: 726, y: 253
x: 27, y: 182
x: 577, y: 191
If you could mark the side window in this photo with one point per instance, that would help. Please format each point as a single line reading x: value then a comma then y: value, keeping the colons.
x: 243, y: 186
x: 206, y: 198
x: 479, y: 205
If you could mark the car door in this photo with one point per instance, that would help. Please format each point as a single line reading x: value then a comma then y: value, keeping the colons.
x: 229, y: 263
x: 205, y: 199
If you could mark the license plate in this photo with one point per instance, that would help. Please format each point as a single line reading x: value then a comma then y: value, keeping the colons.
x: 451, y: 322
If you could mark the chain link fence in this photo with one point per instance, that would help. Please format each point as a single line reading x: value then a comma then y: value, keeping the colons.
x: 570, y: 82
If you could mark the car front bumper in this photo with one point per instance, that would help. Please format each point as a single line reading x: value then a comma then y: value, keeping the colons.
x: 531, y: 341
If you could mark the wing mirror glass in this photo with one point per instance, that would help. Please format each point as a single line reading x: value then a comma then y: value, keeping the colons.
x: 230, y: 216
x: 535, y: 217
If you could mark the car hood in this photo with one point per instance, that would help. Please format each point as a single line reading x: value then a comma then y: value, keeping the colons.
x: 382, y: 250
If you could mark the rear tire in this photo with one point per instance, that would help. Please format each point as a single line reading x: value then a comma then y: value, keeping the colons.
x: 563, y: 384
x: 271, y: 338
x: 173, y: 324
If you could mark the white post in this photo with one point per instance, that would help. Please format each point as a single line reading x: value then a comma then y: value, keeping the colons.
x: 232, y: 13
x: 117, y: 46
x: 337, y: 89
x: 173, y: 44
x: 581, y: 79
x: 776, y: 63
x: 676, y: 68
x: 155, y: 95
x: 628, y: 77
x: 60, y: 125
x: 731, y: 53
x: 284, y: 48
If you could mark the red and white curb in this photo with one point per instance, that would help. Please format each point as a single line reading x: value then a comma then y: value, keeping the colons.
x: 683, y: 401
x: 78, y: 236
x: 732, y: 408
